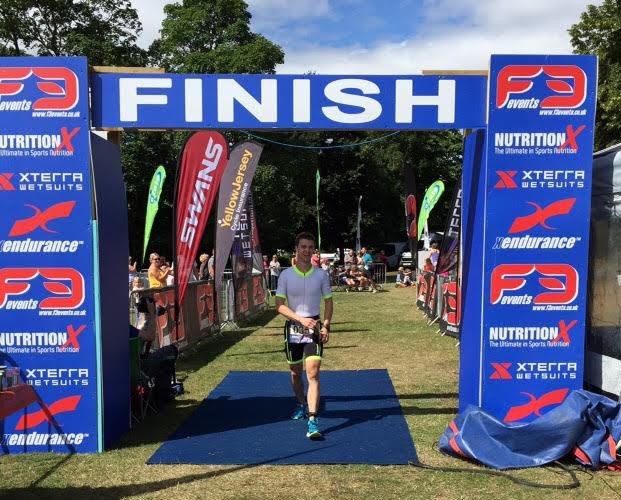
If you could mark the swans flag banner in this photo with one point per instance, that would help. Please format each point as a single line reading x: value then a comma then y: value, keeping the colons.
x: 202, y: 165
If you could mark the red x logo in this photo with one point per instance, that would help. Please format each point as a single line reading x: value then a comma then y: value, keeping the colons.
x: 571, y: 137
x: 541, y: 215
x: 563, y: 334
x: 73, y: 337
x: 535, y: 405
x: 66, y: 137
x: 506, y: 179
x: 30, y: 420
x: 41, y: 218
x: 5, y: 182
x: 501, y: 371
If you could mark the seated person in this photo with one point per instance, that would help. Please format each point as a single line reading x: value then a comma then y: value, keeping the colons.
x: 407, y: 277
x: 399, y: 278
x: 428, y: 267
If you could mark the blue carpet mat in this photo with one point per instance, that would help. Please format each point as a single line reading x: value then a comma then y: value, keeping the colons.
x: 245, y: 420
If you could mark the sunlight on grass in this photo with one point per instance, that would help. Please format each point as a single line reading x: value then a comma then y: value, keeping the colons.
x: 383, y: 330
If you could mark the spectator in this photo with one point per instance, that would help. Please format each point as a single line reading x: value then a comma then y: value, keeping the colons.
x: 428, y: 267
x: 294, y: 259
x: 266, y: 269
x: 157, y: 275
x: 203, y: 272
x: 407, y: 277
x: 210, y: 264
x: 359, y: 259
x: 132, y: 267
x: 350, y: 258
x: 434, y: 253
x: 367, y: 260
x: 315, y: 258
x: 382, y: 258
x: 274, y: 272
x: 399, y: 278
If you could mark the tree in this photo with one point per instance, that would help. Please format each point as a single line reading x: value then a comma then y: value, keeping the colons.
x: 599, y: 32
x: 213, y: 36
x: 105, y: 31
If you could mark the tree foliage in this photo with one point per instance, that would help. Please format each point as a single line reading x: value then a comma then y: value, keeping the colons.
x: 105, y: 31
x: 599, y: 32
x: 213, y: 36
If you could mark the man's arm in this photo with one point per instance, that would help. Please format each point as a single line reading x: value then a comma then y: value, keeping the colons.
x: 327, y: 319
x: 281, y: 308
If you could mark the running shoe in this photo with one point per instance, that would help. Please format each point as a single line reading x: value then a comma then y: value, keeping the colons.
x: 299, y: 413
x: 313, y: 429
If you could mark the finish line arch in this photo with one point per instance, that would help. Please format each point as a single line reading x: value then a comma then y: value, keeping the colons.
x: 526, y: 205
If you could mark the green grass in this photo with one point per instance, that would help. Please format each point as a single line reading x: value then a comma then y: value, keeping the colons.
x: 382, y: 330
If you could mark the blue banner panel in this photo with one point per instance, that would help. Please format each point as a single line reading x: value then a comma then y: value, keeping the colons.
x: 288, y: 101
x: 536, y: 239
x: 46, y: 258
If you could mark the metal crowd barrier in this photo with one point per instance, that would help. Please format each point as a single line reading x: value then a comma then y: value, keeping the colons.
x: 379, y: 273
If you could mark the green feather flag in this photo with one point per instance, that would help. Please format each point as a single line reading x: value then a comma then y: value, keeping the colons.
x: 155, y: 190
x: 432, y: 195
x: 317, y: 180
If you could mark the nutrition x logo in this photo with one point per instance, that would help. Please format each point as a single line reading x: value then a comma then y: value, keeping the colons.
x: 73, y: 337
x: 66, y: 137
x: 506, y: 179
x: 571, y: 137
x: 541, y: 215
x: 563, y: 334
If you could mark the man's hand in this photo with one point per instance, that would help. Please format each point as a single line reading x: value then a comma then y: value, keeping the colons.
x: 308, y: 323
x: 325, y: 335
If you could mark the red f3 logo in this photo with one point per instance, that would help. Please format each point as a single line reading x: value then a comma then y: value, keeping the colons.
x: 509, y: 277
x: 62, y: 83
x: 67, y: 290
x: 501, y: 371
x: 506, y: 179
x: 5, y: 182
x: 47, y: 413
x: 535, y: 405
x: 541, y: 215
x: 563, y: 331
x: 40, y: 219
x: 518, y: 79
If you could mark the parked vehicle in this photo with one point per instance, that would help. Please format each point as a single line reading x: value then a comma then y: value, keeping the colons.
x: 393, y: 251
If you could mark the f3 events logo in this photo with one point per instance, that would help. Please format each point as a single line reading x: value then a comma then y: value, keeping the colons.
x: 567, y: 83
x: 59, y: 85
x: 535, y: 405
x: 65, y: 286
x: 41, y: 218
x: 560, y: 282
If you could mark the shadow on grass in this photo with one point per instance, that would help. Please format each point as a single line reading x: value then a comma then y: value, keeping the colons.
x: 415, y: 410
x: 157, y: 427
x: 118, y: 492
x: 254, y: 353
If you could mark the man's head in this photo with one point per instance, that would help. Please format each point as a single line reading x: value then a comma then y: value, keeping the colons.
x: 304, y: 246
x: 363, y: 250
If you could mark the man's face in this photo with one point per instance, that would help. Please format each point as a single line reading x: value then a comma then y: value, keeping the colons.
x: 305, y: 250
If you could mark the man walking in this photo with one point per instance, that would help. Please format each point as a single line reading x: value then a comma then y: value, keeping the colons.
x: 302, y: 286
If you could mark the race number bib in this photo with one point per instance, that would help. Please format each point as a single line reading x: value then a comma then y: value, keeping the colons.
x: 298, y: 334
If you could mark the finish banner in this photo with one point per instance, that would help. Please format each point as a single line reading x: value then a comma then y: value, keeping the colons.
x: 449, y: 248
x: 201, y: 167
x: 235, y: 188
x: 535, y: 255
x: 411, y: 225
x: 48, y: 336
x: 432, y: 195
x: 153, y: 204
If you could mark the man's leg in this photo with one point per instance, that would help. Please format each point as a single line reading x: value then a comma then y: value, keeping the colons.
x: 296, y: 382
x: 312, y: 375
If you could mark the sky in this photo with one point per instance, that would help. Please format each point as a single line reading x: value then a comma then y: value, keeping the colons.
x: 399, y: 36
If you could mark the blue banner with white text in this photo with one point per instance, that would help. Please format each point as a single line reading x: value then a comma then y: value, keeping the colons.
x: 46, y: 258
x: 537, y: 204
x: 288, y: 101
